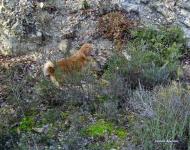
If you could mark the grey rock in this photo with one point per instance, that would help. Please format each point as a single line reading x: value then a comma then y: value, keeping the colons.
x: 130, y: 7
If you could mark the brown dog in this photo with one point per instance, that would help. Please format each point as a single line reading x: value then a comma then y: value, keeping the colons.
x: 68, y: 65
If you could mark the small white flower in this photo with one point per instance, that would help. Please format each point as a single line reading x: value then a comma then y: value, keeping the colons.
x: 41, y: 4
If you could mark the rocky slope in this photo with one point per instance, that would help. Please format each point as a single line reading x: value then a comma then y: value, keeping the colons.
x: 166, y: 12
x: 30, y: 25
x: 55, y: 29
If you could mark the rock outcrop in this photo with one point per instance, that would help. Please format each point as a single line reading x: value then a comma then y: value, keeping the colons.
x: 30, y: 25
x: 161, y: 12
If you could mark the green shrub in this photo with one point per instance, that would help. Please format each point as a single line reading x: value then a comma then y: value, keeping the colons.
x: 167, y: 44
x: 154, y: 58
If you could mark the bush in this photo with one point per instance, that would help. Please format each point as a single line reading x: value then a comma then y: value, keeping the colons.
x: 154, y: 57
x: 170, y: 107
x: 167, y: 44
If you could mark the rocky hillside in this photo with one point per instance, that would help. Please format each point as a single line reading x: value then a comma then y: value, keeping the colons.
x: 134, y: 95
x: 30, y: 25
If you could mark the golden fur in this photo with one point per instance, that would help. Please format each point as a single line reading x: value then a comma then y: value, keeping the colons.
x: 76, y: 62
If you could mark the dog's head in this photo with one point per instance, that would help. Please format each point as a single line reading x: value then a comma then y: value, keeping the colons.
x: 87, y: 50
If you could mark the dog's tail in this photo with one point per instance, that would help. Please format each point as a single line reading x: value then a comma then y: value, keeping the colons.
x: 49, y: 70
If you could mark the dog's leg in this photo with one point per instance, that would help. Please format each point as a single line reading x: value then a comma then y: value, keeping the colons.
x: 54, y: 81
